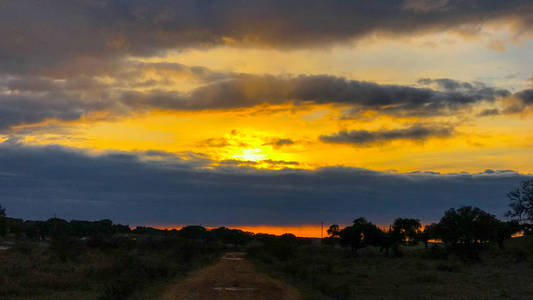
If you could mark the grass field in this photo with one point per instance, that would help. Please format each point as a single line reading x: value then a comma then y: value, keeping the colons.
x: 159, y: 267
x: 117, y: 268
x: 331, y: 273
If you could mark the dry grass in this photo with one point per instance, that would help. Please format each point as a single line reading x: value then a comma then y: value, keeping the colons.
x: 329, y: 274
x: 126, y: 270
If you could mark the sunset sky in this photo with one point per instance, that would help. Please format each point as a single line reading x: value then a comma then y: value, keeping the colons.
x: 252, y: 112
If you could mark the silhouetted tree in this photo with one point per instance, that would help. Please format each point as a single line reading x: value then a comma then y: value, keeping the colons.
x: 148, y: 230
x: 505, y: 231
x: 231, y: 236
x: 521, y: 205
x: 285, y: 246
x: 467, y: 229
x: 406, y: 230
x: 333, y: 230
x: 3, y: 221
x: 427, y: 234
x: 194, y: 232
x: 361, y: 234
x: 386, y: 240
x: 333, y: 238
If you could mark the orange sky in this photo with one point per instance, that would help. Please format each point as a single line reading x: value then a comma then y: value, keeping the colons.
x: 298, y: 230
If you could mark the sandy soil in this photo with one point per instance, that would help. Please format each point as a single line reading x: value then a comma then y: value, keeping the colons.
x: 232, y: 278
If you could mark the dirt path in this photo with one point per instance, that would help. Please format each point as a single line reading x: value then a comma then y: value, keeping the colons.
x: 232, y: 278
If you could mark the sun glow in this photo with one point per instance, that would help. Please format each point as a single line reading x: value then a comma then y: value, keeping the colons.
x: 251, y: 154
x: 287, y: 136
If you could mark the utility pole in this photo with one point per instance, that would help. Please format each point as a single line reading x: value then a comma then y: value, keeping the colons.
x: 321, y: 232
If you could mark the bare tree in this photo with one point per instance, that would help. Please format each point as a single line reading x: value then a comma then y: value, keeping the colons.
x: 521, y: 202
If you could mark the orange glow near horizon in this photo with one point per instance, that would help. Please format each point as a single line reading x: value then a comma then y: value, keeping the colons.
x: 303, y: 231
x: 309, y: 231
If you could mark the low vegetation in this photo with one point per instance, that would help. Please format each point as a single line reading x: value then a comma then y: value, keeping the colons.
x: 330, y: 272
x: 56, y: 259
x: 469, y: 254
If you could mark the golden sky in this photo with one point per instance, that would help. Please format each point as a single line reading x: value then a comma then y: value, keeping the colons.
x: 443, y: 86
x: 491, y: 57
x: 249, y: 134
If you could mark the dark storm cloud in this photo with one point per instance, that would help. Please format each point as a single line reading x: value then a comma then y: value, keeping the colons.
x: 157, y: 187
x: 39, y: 34
x: 21, y: 109
x: 31, y: 99
x: 363, y: 137
x: 251, y: 90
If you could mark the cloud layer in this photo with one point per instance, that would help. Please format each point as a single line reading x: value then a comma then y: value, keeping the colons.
x: 81, y: 31
x: 156, y: 187
x: 31, y: 99
x: 417, y: 132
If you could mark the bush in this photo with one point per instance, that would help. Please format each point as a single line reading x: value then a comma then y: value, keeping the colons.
x: 130, y: 273
x: 436, y: 252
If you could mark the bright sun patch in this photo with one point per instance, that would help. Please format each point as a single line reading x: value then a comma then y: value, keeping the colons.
x: 251, y: 154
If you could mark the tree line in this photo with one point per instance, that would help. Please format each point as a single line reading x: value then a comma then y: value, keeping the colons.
x: 56, y: 228
x: 465, y: 231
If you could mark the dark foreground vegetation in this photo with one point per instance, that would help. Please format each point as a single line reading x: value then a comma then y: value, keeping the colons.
x: 468, y: 254
x: 334, y: 273
x: 56, y: 259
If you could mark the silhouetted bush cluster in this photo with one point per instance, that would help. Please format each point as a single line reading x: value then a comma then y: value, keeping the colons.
x: 280, y: 247
x: 98, y: 233
x: 464, y: 231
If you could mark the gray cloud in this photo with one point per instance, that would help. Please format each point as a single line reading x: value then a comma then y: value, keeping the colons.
x: 526, y: 96
x: 476, y: 90
x: 489, y: 112
x: 28, y: 99
x: 31, y: 99
x: 20, y: 109
x: 519, y: 102
x: 280, y: 142
x: 38, y: 36
x: 416, y: 132
x: 448, y: 84
x: 157, y: 187
x: 252, y: 90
